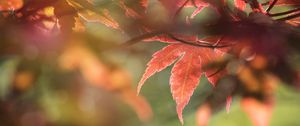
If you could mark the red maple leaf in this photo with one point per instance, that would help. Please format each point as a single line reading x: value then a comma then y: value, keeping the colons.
x: 186, y: 72
x: 240, y: 4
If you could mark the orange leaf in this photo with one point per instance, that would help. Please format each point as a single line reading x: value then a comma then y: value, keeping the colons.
x: 92, y: 69
x: 258, y: 112
x: 160, y: 61
x: 203, y: 114
x: 184, y: 80
x: 95, y: 72
x: 10, y: 5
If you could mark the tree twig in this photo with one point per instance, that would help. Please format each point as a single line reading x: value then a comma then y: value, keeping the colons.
x: 289, y: 17
x: 284, y: 13
x: 139, y: 38
x: 198, y: 45
x: 271, y: 6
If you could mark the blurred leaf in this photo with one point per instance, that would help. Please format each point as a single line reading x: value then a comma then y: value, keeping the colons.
x: 259, y: 113
x: 7, y: 71
x: 6, y: 5
x: 114, y: 80
x: 203, y: 115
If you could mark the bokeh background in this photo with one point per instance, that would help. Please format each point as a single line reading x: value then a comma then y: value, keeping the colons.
x: 85, y: 79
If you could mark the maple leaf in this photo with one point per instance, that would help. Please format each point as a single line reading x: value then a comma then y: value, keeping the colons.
x: 186, y: 72
x: 240, y: 4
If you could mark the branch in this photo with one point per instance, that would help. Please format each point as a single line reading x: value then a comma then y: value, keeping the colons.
x: 284, y: 13
x: 140, y: 38
x: 271, y: 6
x: 255, y: 6
x: 266, y: 3
x: 205, y: 45
x: 289, y: 17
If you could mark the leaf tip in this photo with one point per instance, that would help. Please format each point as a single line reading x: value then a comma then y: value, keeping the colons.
x: 179, y: 113
x: 139, y: 87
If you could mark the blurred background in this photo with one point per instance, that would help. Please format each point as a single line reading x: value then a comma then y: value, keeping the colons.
x: 49, y: 77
